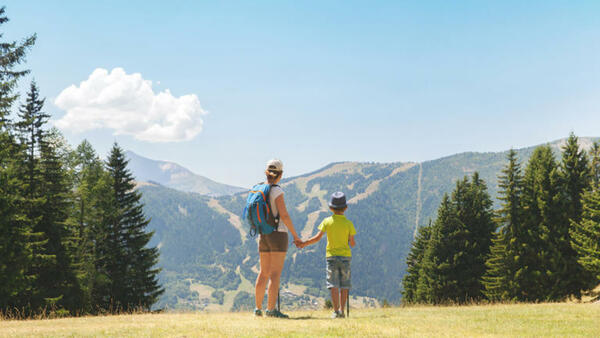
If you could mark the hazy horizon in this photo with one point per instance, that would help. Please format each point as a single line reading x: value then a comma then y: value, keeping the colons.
x: 366, y: 161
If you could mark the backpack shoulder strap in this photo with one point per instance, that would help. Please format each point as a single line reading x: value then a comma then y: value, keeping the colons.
x: 275, y: 218
x: 271, y: 186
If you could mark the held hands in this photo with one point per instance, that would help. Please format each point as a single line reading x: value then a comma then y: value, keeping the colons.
x: 299, y: 243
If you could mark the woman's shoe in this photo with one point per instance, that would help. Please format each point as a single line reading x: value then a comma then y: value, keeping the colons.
x: 275, y: 313
x: 257, y: 313
x: 337, y: 314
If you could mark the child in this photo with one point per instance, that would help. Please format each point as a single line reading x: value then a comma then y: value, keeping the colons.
x: 340, y: 231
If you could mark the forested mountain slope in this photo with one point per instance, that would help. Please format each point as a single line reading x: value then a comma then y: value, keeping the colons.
x: 209, y: 260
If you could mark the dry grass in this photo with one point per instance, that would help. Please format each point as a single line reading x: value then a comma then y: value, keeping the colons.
x: 452, y: 321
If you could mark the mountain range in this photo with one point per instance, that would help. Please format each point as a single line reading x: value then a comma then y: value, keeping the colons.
x: 209, y: 261
x: 174, y: 176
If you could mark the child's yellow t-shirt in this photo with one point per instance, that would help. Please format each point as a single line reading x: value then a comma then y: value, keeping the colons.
x: 338, y: 228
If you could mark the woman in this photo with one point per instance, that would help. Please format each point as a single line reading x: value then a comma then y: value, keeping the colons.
x: 273, y: 247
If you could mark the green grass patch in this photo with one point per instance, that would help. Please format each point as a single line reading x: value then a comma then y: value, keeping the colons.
x: 559, y: 319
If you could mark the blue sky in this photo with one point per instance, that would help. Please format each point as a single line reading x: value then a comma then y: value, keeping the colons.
x: 323, y: 81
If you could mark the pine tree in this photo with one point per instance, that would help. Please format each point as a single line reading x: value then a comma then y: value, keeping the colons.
x: 48, y: 203
x: 575, y: 173
x: 106, y: 248
x: 575, y: 178
x: 542, y: 265
x: 585, y: 237
x: 133, y: 276
x: 30, y: 133
x: 454, y: 261
x: 88, y: 175
x: 585, y: 234
x: 413, y: 262
x: 433, y: 284
x: 474, y: 208
x: 17, y: 241
x: 57, y: 282
x: 506, y: 248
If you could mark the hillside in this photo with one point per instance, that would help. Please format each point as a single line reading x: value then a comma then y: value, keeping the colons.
x: 520, y: 320
x: 210, y: 262
x: 175, y: 176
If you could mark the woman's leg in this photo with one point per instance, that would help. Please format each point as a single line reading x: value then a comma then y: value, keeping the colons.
x: 277, y: 261
x: 262, y: 278
x: 335, y: 299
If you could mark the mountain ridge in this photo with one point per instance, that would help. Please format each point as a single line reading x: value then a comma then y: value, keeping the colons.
x: 585, y: 143
x: 173, y: 175
x: 178, y: 177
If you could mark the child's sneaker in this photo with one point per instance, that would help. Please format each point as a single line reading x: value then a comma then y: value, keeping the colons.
x: 275, y: 313
x: 257, y: 313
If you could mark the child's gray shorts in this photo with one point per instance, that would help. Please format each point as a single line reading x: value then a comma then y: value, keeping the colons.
x: 338, y: 272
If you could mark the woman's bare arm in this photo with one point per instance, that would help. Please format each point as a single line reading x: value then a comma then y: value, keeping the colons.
x: 285, y: 217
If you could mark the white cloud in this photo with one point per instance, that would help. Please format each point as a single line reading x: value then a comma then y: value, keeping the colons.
x: 127, y: 104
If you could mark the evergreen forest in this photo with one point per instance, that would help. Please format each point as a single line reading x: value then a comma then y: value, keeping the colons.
x: 73, y: 236
x: 541, y: 244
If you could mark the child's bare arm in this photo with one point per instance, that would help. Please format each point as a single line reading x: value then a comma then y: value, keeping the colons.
x: 313, y: 239
x: 351, y: 240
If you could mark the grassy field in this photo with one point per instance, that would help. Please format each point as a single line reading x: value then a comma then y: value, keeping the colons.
x: 485, y: 320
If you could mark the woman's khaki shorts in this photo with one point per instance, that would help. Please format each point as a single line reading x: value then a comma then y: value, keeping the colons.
x: 273, y: 242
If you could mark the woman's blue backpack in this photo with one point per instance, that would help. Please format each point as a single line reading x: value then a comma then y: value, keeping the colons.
x: 258, y: 212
